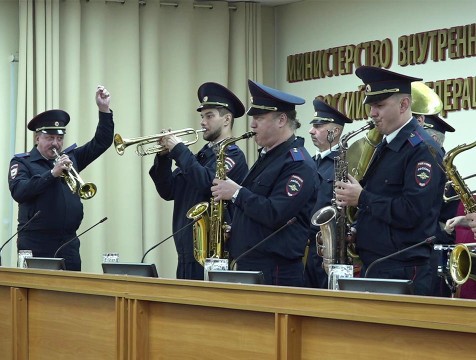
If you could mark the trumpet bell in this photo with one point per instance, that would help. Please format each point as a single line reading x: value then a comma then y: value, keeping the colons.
x: 462, y: 263
x: 424, y: 100
x: 87, y: 191
x: 119, y: 144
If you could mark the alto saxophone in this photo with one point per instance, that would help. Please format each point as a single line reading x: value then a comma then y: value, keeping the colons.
x: 209, y: 230
x: 462, y: 262
x: 331, y: 240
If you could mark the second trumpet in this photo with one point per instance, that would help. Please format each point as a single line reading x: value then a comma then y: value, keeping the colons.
x: 141, y: 142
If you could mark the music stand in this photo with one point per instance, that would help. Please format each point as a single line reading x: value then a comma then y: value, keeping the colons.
x: 45, y: 263
x: 238, y: 276
x: 134, y: 269
x: 385, y: 286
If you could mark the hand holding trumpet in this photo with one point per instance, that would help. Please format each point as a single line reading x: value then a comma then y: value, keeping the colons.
x: 168, y: 141
x: 62, y: 163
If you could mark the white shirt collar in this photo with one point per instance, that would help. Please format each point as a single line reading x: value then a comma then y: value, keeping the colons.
x: 394, y: 134
x: 324, y: 153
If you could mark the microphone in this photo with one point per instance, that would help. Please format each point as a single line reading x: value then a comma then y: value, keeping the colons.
x: 11, y: 237
x: 77, y: 236
x: 289, y: 222
x: 426, y: 241
x: 175, y: 233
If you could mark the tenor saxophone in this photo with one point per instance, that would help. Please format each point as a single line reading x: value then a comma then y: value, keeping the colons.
x: 331, y: 240
x: 462, y: 263
x: 209, y: 230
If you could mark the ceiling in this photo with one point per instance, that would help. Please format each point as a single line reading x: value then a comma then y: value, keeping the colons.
x: 262, y: 2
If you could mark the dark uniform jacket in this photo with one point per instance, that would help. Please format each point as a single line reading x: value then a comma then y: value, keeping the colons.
x: 190, y: 184
x: 279, y: 187
x: 34, y: 188
x: 400, y: 202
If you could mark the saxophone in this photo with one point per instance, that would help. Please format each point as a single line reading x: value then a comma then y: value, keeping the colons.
x: 209, y: 228
x: 332, y: 220
x: 462, y: 263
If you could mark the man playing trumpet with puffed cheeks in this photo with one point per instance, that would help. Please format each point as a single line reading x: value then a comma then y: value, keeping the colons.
x: 36, y: 182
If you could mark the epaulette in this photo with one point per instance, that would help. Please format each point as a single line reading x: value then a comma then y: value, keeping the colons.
x: 415, y: 138
x: 22, y: 155
x: 297, y: 154
x: 69, y: 149
x: 232, y: 147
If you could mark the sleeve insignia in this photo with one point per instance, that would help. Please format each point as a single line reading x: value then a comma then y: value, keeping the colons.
x: 294, y: 185
x: 423, y: 173
x: 229, y: 164
x: 13, y: 171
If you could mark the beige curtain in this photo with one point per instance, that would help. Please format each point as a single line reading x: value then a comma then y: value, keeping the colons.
x: 152, y: 58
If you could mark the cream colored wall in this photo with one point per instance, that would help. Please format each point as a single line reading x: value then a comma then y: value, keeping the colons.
x: 8, y: 72
x: 317, y: 25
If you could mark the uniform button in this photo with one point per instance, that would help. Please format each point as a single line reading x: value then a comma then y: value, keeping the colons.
x: 386, y: 181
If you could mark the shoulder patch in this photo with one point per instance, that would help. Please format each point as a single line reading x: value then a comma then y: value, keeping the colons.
x: 229, y: 164
x: 297, y: 154
x: 22, y: 155
x: 232, y: 147
x: 415, y: 138
x: 69, y: 149
x: 13, y: 171
x: 423, y: 172
x: 294, y: 185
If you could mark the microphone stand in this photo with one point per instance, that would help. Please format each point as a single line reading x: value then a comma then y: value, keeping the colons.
x: 11, y: 237
x: 77, y: 236
x: 289, y: 222
x: 426, y: 241
x: 168, y: 237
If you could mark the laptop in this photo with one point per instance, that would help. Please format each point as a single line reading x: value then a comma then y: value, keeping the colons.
x: 134, y: 269
x: 45, y: 263
x: 242, y: 277
x: 386, y: 286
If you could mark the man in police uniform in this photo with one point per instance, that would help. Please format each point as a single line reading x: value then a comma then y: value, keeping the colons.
x: 190, y: 183
x: 400, y: 200
x: 280, y: 185
x: 326, y: 121
x: 36, y: 184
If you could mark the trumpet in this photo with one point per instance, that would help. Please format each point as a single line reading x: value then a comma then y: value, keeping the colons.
x: 141, y: 142
x: 71, y: 177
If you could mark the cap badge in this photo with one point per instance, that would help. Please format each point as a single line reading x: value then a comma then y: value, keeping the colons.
x: 368, y: 88
x: 251, y: 99
x: 56, y: 123
x: 205, y: 98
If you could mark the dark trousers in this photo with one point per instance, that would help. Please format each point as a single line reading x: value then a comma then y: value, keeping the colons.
x: 189, y: 269
x: 283, y: 273
x: 420, y: 274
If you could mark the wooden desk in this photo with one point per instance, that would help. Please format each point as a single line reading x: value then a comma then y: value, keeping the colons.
x: 66, y: 315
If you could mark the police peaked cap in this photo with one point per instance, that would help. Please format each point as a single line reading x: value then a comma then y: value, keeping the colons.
x: 212, y: 95
x: 265, y: 99
x: 436, y: 123
x: 381, y: 83
x: 50, y: 122
x: 324, y: 114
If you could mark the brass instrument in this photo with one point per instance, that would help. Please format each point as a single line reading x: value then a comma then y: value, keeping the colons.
x: 461, y: 264
x: 141, y: 142
x: 455, y: 197
x: 425, y: 101
x: 331, y: 240
x: 360, y: 153
x: 71, y: 177
x: 209, y: 231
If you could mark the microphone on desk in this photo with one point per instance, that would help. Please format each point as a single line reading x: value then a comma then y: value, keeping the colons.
x: 379, y: 260
x: 21, y: 229
x: 168, y: 237
x: 77, y: 236
x: 289, y: 222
